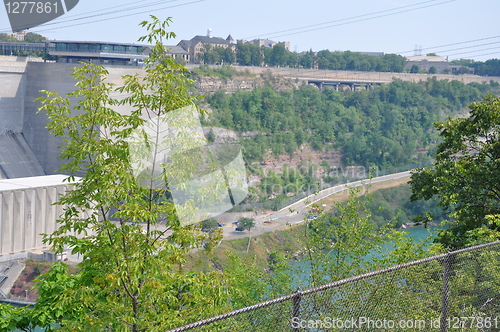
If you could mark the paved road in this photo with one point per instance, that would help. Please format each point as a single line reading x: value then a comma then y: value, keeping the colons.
x: 280, y: 219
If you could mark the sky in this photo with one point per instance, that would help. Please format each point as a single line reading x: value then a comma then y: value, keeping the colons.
x: 450, y: 28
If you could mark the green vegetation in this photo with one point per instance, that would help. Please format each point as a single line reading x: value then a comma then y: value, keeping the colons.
x: 30, y: 37
x: 224, y: 71
x: 132, y: 277
x: 394, y: 204
x: 209, y: 225
x: 245, y: 224
x: 487, y: 68
x: 247, y: 54
x: 466, y: 176
x: 387, y: 126
x: 358, y: 61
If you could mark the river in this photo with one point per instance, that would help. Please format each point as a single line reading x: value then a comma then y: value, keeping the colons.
x: 300, y: 279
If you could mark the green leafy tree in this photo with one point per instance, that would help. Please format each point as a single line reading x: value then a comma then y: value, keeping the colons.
x: 432, y: 70
x: 414, y: 69
x: 211, y: 135
x: 32, y: 37
x: 227, y: 55
x: 132, y: 277
x: 6, y: 38
x: 466, y: 175
x: 209, y: 225
x: 246, y: 223
x: 278, y: 56
x: 307, y: 60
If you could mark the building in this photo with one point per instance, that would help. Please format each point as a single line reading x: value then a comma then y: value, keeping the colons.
x: 27, y: 210
x: 21, y: 35
x: 99, y: 52
x: 269, y: 43
x: 196, y: 45
x: 426, y: 62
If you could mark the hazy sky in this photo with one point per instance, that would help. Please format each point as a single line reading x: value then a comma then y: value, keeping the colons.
x: 454, y: 28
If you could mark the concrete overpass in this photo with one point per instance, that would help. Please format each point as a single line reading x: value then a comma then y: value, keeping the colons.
x: 339, y: 83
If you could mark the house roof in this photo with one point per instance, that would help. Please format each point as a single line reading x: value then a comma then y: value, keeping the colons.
x: 418, y: 58
x: 176, y: 50
x: 207, y: 40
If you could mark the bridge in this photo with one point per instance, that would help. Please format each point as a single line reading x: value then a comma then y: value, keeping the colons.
x: 337, y: 83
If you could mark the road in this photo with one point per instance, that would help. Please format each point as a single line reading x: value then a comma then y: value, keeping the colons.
x: 276, y: 220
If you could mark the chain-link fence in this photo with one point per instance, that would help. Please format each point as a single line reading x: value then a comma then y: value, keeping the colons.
x: 456, y: 291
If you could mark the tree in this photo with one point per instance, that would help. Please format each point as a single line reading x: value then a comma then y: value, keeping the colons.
x: 432, y: 70
x: 32, y: 37
x: 209, y: 225
x: 278, y: 56
x: 123, y: 223
x: 7, y: 38
x: 466, y: 175
x: 307, y: 60
x: 211, y: 135
x: 245, y: 223
x: 414, y: 69
x: 228, y: 56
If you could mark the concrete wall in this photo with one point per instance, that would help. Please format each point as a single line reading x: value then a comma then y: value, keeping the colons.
x: 54, y: 77
x: 51, y: 77
x: 12, y: 89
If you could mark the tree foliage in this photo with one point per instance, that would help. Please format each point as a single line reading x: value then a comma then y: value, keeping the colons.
x: 245, y: 223
x: 465, y: 176
x: 387, y: 126
x: 133, y: 244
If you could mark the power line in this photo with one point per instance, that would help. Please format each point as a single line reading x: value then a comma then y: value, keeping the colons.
x: 480, y: 55
x: 355, y: 21
x: 481, y: 50
x: 340, y: 20
x: 468, y: 47
x: 465, y: 42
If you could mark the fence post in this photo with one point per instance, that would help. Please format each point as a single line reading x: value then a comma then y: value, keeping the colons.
x: 296, y: 307
x: 446, y: 293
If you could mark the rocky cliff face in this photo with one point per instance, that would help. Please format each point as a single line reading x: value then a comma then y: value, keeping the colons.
x: 208, y: 85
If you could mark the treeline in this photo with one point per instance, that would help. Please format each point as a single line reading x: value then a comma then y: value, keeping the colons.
x: 247, y: 54
x: 487, y: 68
x: 387, y: 126
x: 30, y: 37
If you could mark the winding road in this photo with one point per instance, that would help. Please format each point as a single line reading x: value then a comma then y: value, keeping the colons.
x: 279, y: 219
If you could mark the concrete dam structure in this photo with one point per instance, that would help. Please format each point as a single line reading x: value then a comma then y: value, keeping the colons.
x: 29, y: 183
x: 27, y: 211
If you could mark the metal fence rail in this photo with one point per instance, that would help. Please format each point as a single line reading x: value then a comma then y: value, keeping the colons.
x: 456, y: 291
